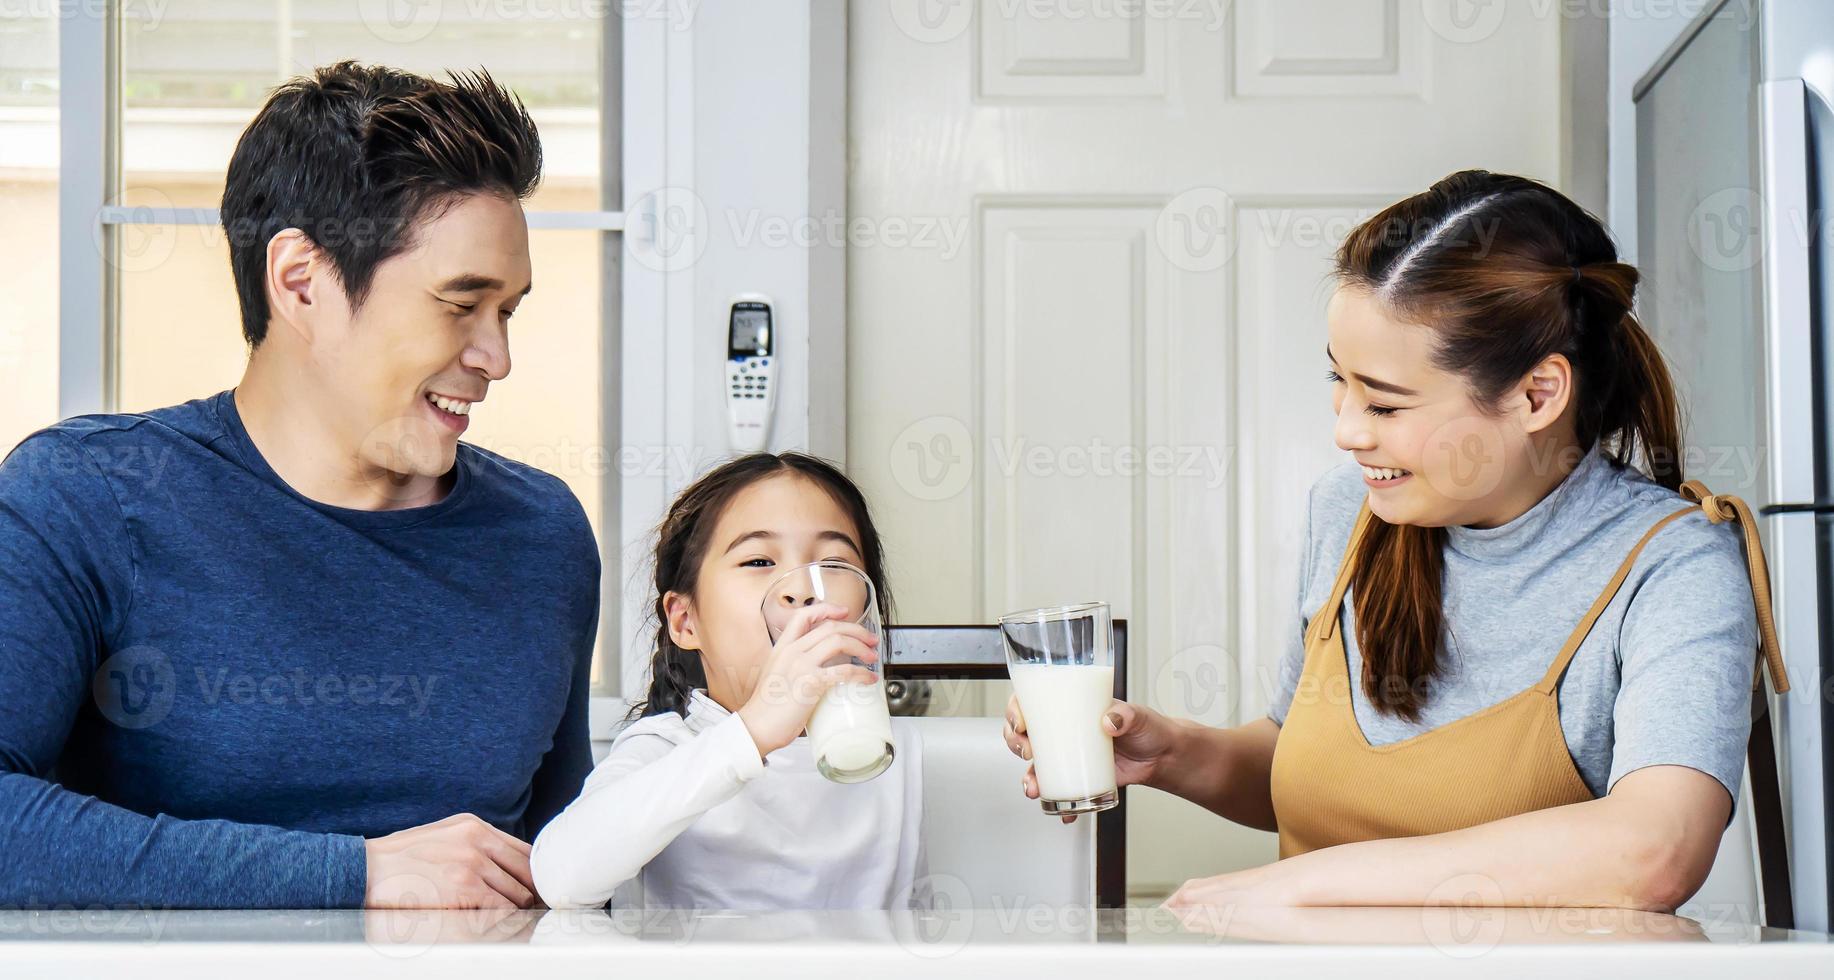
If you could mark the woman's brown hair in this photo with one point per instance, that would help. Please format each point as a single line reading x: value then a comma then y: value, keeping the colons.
x: 1506, y: 271
x: 682, y: 540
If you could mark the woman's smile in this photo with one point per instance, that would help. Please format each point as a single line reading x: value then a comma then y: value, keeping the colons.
x: 1382, y: 477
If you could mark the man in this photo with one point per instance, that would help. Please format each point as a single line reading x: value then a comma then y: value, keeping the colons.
x: 295, y: 645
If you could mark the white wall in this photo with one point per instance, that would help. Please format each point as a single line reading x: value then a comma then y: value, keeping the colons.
x: 735, y: 151
x: 1793, y: 39
x: 1640, y: 31
x: 758, y: 148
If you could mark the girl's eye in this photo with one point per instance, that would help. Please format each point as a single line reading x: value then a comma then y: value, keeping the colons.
x: 756, y: 563
x: 1334, y: 377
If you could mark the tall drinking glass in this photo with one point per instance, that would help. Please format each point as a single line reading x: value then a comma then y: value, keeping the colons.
x: 1061, y: 659
x: 851, y: 729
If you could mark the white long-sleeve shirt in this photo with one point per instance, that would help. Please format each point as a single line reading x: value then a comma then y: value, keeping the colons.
x: 684, y: 814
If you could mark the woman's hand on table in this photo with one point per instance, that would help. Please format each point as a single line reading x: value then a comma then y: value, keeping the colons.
x: 1279, y: 883
x: 1143, y: 740
x: 1460, y: 930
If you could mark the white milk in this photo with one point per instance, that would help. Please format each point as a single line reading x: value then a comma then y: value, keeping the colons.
x: 851, y: 726
x: 1063, y: 706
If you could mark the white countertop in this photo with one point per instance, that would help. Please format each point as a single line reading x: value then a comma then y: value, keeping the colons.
x: 1005, y: 943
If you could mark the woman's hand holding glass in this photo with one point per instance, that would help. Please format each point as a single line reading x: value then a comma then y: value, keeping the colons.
x: 798, y: 672
x: 1143, y: 740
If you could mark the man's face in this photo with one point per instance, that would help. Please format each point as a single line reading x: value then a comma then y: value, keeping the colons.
x: 405, y: 370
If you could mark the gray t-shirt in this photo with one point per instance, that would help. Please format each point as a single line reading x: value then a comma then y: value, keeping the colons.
x: 1664, y: 677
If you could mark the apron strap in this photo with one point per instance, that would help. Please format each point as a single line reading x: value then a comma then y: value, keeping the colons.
x: 1726, y: 507
x: 1719, y: 508
x: 1327, y: 618
x: 1760, y: 748
x: 1578, y: 636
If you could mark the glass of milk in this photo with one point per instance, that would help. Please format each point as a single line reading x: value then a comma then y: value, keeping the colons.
x: 851, y: 729
x: 1061, y: 659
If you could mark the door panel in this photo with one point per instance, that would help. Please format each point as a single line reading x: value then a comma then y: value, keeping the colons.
x: 1099, y: 376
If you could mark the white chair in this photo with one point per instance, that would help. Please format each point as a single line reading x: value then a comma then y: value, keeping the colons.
x: 982, y: 835
x: 1750, y: 878
x: 988, y: 846
x: 1730, y: 893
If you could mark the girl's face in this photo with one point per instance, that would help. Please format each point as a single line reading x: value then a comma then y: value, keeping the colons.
x: 769, y: 527
x: 1431, y: 455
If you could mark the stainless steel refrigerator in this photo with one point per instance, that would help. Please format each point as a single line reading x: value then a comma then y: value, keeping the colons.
x: 1735, y: 205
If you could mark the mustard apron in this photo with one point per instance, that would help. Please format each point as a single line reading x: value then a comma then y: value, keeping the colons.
x: 1330, y: 786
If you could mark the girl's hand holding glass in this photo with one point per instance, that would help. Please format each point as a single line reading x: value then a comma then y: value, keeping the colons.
x: 797, y: 672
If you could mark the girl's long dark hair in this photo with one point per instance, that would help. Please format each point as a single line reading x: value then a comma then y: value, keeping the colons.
x: 682, y: 540
x: 1506, y: 271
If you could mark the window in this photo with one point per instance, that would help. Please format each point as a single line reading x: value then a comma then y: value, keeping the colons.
x: 28, y: 197
x: 191, y: 74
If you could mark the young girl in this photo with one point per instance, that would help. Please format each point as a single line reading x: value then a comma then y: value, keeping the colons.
x: 711, y: 798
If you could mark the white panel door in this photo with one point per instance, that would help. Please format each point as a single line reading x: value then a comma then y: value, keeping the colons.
x: 1087, y: 250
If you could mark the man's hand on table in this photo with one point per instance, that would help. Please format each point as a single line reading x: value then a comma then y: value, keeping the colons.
x: 460, y: 862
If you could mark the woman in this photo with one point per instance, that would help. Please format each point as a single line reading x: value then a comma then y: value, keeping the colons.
x: 1521, y: 669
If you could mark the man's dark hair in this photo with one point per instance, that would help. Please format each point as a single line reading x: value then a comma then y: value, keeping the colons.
x: 359, y: 156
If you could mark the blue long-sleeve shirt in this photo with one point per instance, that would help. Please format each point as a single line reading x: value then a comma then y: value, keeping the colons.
x: 213, y: 688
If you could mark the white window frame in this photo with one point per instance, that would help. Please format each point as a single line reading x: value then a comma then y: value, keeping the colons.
x: 89, y: 291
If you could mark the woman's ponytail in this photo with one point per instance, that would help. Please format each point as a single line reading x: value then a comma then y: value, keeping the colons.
x: 1634, y: 410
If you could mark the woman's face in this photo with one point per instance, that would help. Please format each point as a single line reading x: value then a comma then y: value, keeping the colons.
x: 769, y: 527
x: 1431, y: 455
